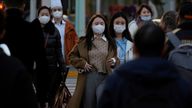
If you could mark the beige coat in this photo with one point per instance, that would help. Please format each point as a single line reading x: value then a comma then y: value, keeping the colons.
x: 78, y: 58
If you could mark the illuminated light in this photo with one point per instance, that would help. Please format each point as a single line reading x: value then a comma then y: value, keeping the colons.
x: 2, y: 6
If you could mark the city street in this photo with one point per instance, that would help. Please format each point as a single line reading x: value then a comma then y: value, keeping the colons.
x: 71, y: 80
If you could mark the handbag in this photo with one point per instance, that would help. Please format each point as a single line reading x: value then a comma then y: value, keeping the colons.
x: 63, y: 94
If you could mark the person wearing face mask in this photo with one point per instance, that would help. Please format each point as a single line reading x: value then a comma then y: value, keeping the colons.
x: 144, y: 15
x: 67, y: 31
x: 119, y: 31
x: 50, y: 62
x: 94, y: 56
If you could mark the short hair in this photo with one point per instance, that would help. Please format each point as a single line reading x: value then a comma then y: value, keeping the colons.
x: 170, y: 19
x: 149, y: 40
x: 14, y: 3
x: 185, y: 11
x: 144, y: 6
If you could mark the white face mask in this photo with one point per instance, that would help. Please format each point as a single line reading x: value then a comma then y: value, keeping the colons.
x: 44, y: 19
x: 57, y: 14
x: 145, y: 18
x: 99, y: 29
x: 119, y: 28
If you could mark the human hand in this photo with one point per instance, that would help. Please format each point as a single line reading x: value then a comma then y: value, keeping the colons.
x: 88, y: 67
x: 112, y: 62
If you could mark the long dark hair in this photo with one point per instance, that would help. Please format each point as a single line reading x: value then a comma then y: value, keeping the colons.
x: 126, y: 33
x: 89, y: 33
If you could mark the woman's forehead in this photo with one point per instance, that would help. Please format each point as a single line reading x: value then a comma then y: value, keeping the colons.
x: 98, y: 19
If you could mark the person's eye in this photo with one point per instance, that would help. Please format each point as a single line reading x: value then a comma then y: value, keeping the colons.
x: 59, y: 9
x: 102, y: 23
x: 96, y: 23
x: 117, y: 23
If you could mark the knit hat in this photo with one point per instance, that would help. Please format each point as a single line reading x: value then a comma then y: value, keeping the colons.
x: 56, y: 3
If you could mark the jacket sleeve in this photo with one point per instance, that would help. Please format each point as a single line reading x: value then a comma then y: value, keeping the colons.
x: 75, y: 58
x: 71, y: 39
x: 24, y: 94
x: 62, y: 66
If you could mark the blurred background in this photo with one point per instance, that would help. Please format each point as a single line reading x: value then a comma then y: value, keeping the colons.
x: 79, y: 11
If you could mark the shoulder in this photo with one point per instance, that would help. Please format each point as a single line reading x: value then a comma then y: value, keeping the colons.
x: 69, y: 26
x: 12, y: 62
x: 129, y: 42
x: 35, y: 22
x: 82, y: 39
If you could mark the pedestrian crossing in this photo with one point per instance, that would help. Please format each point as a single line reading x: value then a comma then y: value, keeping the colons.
x: 71, y: 84
x: 71, y: 80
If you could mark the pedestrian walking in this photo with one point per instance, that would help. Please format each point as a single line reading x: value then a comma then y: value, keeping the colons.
x: 148, y: 81
x: 16, y: 83
x: 94, y: 56
x: 119, y: 31
x: 67, y: 31
x: 50, y: 65
x: 18, y: 32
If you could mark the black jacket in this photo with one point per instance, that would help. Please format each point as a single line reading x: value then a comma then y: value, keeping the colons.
x: 18, y: 38
x: 16, y: 88
x: 50, y: 62
x: 141, y: 76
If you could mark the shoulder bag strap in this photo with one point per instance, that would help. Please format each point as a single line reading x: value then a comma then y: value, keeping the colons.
x: 173, y: 39
x: 46, y: 40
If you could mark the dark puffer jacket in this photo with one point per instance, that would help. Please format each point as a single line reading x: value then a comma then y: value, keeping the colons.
x: 16, y: 86
x: 131, y: 83
x: 50, y: 62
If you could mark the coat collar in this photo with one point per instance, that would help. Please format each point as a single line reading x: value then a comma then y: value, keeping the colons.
x: 102, y: 37
x: 61, y: 23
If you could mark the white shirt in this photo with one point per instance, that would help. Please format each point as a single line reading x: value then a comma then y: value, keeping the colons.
x: 133, y: 28
x: 61, y: 28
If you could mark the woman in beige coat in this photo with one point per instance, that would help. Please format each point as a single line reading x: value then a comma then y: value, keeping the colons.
x: 94, y: 56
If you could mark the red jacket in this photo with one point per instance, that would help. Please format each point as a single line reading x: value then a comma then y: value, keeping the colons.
x: 70, y: 40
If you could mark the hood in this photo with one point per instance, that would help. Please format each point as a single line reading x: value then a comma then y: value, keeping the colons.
x: 150, y: 71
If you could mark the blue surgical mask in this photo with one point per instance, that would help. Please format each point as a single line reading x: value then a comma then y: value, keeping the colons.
x: 145, y: 18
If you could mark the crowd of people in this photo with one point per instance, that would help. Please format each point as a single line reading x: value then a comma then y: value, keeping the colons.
x: 120, y: 63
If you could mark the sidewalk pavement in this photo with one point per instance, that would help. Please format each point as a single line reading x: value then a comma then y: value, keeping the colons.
x: 71, y: 79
